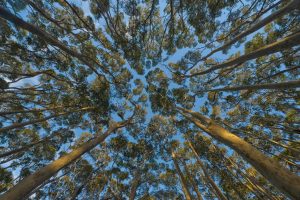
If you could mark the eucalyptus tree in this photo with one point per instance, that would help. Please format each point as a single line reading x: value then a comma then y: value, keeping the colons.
x: 214, y: 85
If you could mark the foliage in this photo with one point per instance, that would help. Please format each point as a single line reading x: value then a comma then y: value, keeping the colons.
x: 79, y: 67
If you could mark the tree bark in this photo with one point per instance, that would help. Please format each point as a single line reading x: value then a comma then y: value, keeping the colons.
x: 256, y: 188
x: 9, y: 153
x: 277, y: 86
x: 79, y: 189
x: 183, y: 181
x: 206, y: 174
x: 285, y: 43
x: 33, y: 74
x: 134, y: 185
x: 191, y: 179
x: 290, y: 6
x: 32, y: 181
x: 30, y: 111
x: 19, y: 125
x: 5, y: 14
x: 283, y: 179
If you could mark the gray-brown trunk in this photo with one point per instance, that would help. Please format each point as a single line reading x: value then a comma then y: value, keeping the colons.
x: 283, y: 179
x: 277, y: 86
x: 206, y: 174
x: 23, y: 124
x: 134, y: 185
x: 183, y: 181
x: 290, y: 6
x: 5, y: 14
x: 288, y: 42
x: 192, y: 181
x: 32, y: 181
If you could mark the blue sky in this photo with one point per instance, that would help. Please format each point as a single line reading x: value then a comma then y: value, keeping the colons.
x: 173, y: 58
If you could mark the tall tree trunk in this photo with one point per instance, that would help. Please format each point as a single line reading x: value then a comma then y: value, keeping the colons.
x: 290, y: 6
x: 134, y: 185
x: 19, y: 125
x: 259, y: 187
x: 284, y: 43
x: 44, y: 183
x: 79, y: 189
x: 26, y: 147
x: 50, y: 73
x: 29, y: 111
x: 283, y: 179
x: 32, y: 181
x: 256, y: 188
x: 183, y: 181
x: 192, y: 181
x: 250, y: 186
x: 277, y: 86
x: 206, y: 174
x: 5, y: 14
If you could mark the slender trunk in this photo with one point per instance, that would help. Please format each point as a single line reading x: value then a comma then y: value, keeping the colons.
x: 256, y: 17
x: 33, y: 74
x: 285, y: 43
x: 206, y: 174
x: 277, y: 86
x: 259, y: 187
x: 19, y: 125
x: 32, y: 181
x: 183, y: 181
x: 5, y: 14
x: 134, y: 185
x: 238, y: 193
x: 45, y: 14
x: 192, y: 181
x: 79, y: 189
x: 290, y: 6
x: 29, y: 111
x: 235, y: 175
x: 255, y: 187
x: 297, y: 151
x: 283, y: 179
x: 9, y: 153
x: 250, y: 185
x: 278, y: 73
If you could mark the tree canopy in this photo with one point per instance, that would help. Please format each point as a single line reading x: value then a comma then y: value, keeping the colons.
x: 149, y: 99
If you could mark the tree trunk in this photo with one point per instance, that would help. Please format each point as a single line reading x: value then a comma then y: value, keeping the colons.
x: 277, y: 86
x: 32, y: 181
x: 267, y: 192
x: 5, y: 14
x: 134, y: 185
x: 283, y: 179
x: 183, y: 181
x: 255, y: 186
x: 79, y: 189
x: 9, y: 153
x: 29, y: 111
x: 33, y: 74
x: 206, y: 174
x: 290, y: 6
x: 285, y: 43
x: 191, y: 179
x: 19, y: 125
